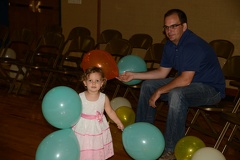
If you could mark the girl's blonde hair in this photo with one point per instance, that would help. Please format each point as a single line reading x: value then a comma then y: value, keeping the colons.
x: 94, y: 70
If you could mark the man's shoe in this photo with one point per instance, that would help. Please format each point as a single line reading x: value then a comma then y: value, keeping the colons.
x: 167, y: 156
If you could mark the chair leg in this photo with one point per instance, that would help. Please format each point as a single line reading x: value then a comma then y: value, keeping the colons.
x: 116, y: 91
x: 208, y: 122
x: 21, y: 82
x: 129, y: 90
x: 45, y: 85
x: 230, y: 137
x: 196, y: 115
x: 222, y: 134
x: 211, y: 132
x: 225, y: 128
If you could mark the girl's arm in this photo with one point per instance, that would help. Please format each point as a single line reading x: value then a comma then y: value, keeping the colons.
x: 112, y: 114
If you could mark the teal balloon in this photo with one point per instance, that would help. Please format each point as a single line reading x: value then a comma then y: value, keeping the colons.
x: 132, y: 63
x: 143, y: 141
x: 61, y: 107
x: 59, y: 145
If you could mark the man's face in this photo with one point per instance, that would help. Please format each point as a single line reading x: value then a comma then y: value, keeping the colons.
x: 173, y: 28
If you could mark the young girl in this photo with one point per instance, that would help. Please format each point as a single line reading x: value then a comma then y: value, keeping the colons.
x: 92, y: 129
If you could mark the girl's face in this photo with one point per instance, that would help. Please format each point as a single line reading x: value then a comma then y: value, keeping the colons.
x: 94, y: 82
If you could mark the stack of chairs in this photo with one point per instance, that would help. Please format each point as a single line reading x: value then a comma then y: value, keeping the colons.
x: 15, y: 54
x: 43, y: 60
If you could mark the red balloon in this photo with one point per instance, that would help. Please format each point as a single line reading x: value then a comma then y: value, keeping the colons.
x: 102, y: 59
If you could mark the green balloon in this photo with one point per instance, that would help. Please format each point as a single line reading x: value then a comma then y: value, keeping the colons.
x: 132, y: 63
x: 62, y: 107
x: 143, y: 141
x: 187, y: 146
x: 59, y: 145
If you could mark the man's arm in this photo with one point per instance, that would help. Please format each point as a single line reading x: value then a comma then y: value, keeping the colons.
x: 182, y: 80
x: 159, y: 73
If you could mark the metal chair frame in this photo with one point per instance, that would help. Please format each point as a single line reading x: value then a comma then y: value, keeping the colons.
x: 231, y: 72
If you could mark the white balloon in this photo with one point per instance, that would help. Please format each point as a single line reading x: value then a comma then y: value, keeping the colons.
x: 119, y: 102
x: 14, y: 74
x: 8, y: 53
x: 208, y: 153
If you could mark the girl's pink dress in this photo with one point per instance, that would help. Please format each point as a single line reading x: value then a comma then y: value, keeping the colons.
x: 92, y: 130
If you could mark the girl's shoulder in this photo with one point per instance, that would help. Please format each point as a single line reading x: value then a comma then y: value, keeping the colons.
x: 102, y: 95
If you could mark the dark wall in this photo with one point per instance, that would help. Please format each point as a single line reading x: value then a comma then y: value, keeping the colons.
x: 4, y: 12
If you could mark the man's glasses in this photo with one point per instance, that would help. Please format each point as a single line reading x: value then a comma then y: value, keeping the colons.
x: 174, y: 26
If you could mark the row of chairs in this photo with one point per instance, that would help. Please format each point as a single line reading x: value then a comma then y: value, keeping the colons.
x: 52, y: 56
x: 36, y: 64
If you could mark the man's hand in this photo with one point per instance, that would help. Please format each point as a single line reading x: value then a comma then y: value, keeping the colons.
x: 154, y: 98
x: 125, y: 77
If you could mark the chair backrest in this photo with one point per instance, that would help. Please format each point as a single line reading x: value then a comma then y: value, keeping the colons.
x: 154, y: 55
x: 78, y: 31
x: 140, y: 40
x: 108, y: 35
x: 21, y: 41
x: 77, y: 48
x: 223, y: 48
x: 140, y: 44
x: 155, y: 52
x: 74, y: 33
x: 82, y: 44
x: 118, y: 48
x: 231, y: 68
x: 51, y: 39
x: 48, y: 50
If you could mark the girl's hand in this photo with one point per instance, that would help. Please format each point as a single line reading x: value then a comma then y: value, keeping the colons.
x: 120, y: 126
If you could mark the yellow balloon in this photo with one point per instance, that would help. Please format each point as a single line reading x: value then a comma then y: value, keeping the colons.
x: 187, y: 146
x: 126, y: 115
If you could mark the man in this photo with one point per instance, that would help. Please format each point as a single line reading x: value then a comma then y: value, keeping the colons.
x: 199, y: 81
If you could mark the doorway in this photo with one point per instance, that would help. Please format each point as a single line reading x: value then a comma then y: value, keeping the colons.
x: 34, y: 14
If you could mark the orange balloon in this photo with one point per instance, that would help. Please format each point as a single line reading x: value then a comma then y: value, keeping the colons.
x: 101, y: 59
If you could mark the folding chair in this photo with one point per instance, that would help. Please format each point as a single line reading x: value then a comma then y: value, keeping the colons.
x: 231, y: 72
x: 106, y: 36
x: 223, y: 48
x: 233, y: 140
